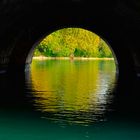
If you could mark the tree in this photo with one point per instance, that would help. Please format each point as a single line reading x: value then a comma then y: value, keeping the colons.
x: 73, y: 41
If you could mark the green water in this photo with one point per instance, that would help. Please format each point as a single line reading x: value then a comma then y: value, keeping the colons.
x: 29, y: 127
x: 64, y: 100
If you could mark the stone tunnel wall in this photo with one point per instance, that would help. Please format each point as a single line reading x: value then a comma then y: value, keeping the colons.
x: 23, y: 23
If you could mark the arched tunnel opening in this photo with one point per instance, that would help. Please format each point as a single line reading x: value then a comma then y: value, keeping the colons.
x: 25, y: 23
x: 76, y: 68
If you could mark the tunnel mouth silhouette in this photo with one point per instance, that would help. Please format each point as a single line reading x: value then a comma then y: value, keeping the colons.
x: 23, y: 51
x: 63, y: 44
x: 19, y: 36
x: 64, y: 71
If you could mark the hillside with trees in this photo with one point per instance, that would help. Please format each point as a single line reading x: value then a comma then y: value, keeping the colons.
x: 74, y: 42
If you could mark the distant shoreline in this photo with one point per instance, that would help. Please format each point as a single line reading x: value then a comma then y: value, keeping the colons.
x: 69, y: 58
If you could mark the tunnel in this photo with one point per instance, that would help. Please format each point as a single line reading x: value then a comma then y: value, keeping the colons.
x: 25, y: 23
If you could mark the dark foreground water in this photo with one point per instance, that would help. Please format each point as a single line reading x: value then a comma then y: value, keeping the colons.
x: 63, y: 100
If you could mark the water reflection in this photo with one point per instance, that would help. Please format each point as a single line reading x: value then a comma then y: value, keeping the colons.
x: 72, y: 91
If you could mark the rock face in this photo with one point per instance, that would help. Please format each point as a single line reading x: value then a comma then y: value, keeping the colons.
x: 23, y: 23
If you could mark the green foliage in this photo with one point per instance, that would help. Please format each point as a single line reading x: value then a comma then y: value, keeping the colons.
x: 73, y: 42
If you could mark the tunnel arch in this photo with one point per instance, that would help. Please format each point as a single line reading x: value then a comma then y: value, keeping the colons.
x: 29, y: 23
x: 27, y: 42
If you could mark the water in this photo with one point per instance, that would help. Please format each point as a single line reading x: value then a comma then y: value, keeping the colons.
x: 62, y: 99
x: 72, y: 91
